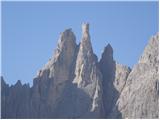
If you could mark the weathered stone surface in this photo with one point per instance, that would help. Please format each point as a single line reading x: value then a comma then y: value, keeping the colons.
x: 85, y: 57
x: 140, y: 96
x: 121, y: 75
x: 51, y: 80
x: 87, y: 75
x: 55, y: 94
x: 73, y: 84
x: 114, y: 79
x: 15, y: 100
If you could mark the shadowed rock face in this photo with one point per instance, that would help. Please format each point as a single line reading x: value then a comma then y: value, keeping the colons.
x: 114, y: 79
x: 73, y: 84
x: 15, y: 100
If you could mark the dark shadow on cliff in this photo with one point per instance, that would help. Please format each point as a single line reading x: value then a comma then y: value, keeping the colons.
x: 73, y: 103
x: 110, y: 96
x: 14, y: 100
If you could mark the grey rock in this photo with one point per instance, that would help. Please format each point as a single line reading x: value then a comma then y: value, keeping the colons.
x: 87, y: 75
x: 51, y: 80
x: 85, y: 56
x: 73, y: 84
x: 121, y: 75
x: 140, y: 96
x: 15, y: 100
x: 4, y: 94
x: 55, y: 89
x: 114, y: 79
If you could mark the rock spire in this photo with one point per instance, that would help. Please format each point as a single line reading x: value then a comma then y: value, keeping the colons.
x: 73, y: 84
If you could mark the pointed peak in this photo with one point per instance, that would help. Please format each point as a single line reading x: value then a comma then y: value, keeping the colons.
x: 154, y: 39
x: 85, y: 28
x: 67, y: 30
x: 2, y: 80
x: 108, y: 48
x: 66, y: 33
x: 85, y: 42
x: 26, y: 85
x: 67, y: 36
x: 150, y: 53
x: 18, y: 83
x: 85, y: 33
x: 107, y: 52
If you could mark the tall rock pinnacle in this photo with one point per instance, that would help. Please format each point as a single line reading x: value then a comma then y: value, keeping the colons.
x: 114, y: 77
x: 85, y: 31
x: 85, y: 57
x: 58, y: 66
x: 73, y: 84
x: 50, y: 82
x: 107, y: 63
x: 86, y: 46
x: 87, y: 75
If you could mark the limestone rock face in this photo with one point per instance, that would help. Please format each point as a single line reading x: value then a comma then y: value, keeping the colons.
x: 114, y: 79
x: 140, y: 96
x: 121, y: 75
x: 15, y: 100
x: 87, y: 75
x: 51, y: 80
x: 73, y: 84
x: 85, y: 56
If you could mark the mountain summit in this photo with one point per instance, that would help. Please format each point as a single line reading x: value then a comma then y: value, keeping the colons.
x: 74, y: 84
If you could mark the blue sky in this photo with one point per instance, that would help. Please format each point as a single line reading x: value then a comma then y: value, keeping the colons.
x: 30, y: 31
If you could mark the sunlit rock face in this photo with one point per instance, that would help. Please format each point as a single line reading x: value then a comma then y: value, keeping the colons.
x: 74, y: 84
x: 50, y: 82
x: 140, y: 96
x: 87, y: 75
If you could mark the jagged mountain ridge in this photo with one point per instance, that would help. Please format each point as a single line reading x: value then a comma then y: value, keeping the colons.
x: 73, y: 84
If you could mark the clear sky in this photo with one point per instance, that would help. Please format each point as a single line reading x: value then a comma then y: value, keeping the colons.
x: 30, y: 31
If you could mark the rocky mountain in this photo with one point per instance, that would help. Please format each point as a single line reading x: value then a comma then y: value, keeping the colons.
x: 74, y: 84
x: 140, y: 96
